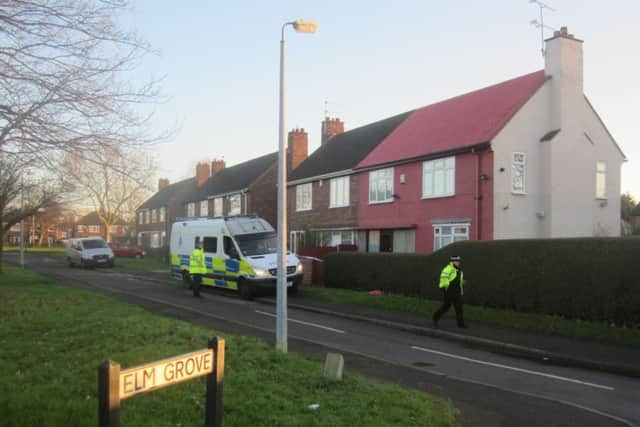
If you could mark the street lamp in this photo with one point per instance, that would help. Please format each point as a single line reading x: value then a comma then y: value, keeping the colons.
x: 281, y: 285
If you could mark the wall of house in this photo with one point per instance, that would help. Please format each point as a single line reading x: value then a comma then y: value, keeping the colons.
x: 262, y: 197
x: 472, y: 202
x: 321, y: 215
x: 523, y: 215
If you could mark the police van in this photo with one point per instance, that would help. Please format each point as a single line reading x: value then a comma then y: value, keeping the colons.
x: 240, y: 253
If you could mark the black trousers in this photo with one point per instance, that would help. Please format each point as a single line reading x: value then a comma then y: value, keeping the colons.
x: 451, y: 298
x: 197, y: 281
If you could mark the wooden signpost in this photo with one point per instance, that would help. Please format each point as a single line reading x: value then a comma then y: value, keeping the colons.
x: 115, y: 385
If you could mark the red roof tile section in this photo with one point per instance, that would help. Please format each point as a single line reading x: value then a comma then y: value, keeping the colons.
x: 459, y: 122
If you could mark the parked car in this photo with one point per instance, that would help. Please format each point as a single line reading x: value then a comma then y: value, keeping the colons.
x: 128, y: 251
x: 89, y: 252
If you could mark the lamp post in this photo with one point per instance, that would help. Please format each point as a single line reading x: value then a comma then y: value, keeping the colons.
x: 281, y: 285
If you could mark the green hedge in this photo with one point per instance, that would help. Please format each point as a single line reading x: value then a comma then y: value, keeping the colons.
x: 595, y: 279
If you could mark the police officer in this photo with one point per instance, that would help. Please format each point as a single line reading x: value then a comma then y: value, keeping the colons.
x: 197, y: 268
x: 451, y: 281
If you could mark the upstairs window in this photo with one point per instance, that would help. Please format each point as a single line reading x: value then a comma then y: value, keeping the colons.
x: 154, y: 215
x: 601, y: 180
x: 303, y: 197
x: 381, y: 186
x: 204, y: 208
x: 439, y: 178
x: 161, y: 214
x: 217, y: 206
x: 519, y: 173
x: 339, y: 192
x: 140, y: 217
x: 191, y: 209
x: 235, y: 204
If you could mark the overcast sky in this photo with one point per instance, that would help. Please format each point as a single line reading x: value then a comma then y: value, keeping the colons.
x: 369, y: 60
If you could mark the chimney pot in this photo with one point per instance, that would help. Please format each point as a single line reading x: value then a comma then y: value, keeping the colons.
x: 203, y: 171
x: 331, y: 127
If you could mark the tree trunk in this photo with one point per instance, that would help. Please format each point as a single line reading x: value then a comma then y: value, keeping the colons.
x: 1, y: 243
x: 107, y: 229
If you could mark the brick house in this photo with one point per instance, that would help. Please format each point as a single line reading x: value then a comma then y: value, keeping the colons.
x: 155, y: 216
x: 526, y: 158
x: 91, y: 226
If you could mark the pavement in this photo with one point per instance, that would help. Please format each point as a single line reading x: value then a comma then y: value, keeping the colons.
x: 549, y: 349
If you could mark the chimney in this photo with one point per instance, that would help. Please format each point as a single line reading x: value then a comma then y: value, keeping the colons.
x: 298, y: 148
x: 217, y: 165
x: 203, y: 172
x: 162, y: 183
x: 331, y: 127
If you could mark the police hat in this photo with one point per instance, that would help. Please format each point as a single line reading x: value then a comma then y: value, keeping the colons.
x: 455, y: 258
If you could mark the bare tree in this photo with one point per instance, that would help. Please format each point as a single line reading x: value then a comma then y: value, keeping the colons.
x: 65, y: 83
x: 22, y: 195
x: 115, y: 180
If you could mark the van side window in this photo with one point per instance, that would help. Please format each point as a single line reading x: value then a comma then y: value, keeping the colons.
x: 195, y: 242
x: 210, y: 244
x: 229, y: 248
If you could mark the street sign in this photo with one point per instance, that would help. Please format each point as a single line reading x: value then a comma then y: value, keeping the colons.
x: 115, y: 385
x: 155, y: 375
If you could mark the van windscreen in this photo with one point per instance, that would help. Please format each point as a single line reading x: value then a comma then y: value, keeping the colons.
x: 93, y: 244
x: 257, y: 244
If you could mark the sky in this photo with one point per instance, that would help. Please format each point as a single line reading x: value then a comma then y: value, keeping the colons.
x: 368, y: 60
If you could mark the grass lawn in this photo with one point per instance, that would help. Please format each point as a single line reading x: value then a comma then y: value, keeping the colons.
x: 53, y: 338
x: 530, y: 322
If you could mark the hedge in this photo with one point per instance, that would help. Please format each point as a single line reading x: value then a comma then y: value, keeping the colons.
x: 596, y: 279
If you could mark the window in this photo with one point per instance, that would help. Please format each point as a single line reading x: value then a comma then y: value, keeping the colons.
x: 439, y: 178
x: 235, y: 205
x: 191, y: 209
x: 204, y: 208
x: 335, y: 237
x: 518, y: 173
x: 339, y: 192
x: 147, y: 217
x: 161, y: 214
x: 210, y: 244
x: 217, y: 206
x: 304, y: 197
x: 601, y: 180
x: 154, y: 215
x: 94, y: 229
x: 140, y: 217
x: 154, y: 241
x: 381, y: 186
x: 296, y: 240
x: 444, y: 235
x: 230, y: 248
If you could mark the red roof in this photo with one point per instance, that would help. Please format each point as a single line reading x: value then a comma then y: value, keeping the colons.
x: 459, y: 122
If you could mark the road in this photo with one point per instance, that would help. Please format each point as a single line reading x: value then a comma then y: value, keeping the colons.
x: 489, y: 389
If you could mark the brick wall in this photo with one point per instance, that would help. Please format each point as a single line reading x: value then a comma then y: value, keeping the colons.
x: 263, y: 196
x: 321, y: 215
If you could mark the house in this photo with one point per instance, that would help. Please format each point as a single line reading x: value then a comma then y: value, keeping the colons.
x: 248, y: 187
x: 155, y: 216
x: 90, y: 225
x: 525, y: 158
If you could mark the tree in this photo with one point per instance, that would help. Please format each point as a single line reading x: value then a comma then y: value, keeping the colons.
x: 628, y: 202
x: 64, y: 79
x: 115, y: 180
x: 22, y: 195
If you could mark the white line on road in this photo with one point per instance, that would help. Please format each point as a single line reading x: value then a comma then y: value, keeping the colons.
x: 513, y: 368
x: 304, y: 323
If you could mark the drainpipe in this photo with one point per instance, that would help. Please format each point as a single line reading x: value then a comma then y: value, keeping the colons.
x: 476, y: 215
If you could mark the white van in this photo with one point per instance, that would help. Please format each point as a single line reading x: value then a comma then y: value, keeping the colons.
x: 89, y: 252
x: 240, y: 253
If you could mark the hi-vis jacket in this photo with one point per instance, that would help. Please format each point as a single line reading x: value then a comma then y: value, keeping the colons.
x: 449, y: 273
x: 196, y: 262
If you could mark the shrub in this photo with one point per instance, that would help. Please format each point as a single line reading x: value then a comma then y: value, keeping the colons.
x: 594, y: 279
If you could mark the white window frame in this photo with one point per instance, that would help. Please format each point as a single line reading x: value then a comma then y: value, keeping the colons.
x: 191, y: 209
x: 235, y: 204
x: 339, y: 192
x: 204, y: 208
x: 161, y: 214
x: 141, y: 217
x: 154, y: 215
x: 514, y: 164
x: 147, y: 217
x: 377, y: 179
x: 218, y: 206
x: 436, y: 170
x: 438, y: 233
x: 601, y: 180
x: 296, y: 238
x: 304, y: 197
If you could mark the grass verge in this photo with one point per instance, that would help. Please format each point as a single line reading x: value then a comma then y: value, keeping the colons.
x: 541, y: 323
x: 53, y: 338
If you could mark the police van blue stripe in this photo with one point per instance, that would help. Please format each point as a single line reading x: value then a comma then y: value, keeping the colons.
x: 184, y: 259
x: 232, y: 265
x: 208, y: 262
x: 221, y: 283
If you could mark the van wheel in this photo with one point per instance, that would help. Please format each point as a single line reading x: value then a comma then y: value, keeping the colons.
x: 186, y: 279
x: 245, y: 290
